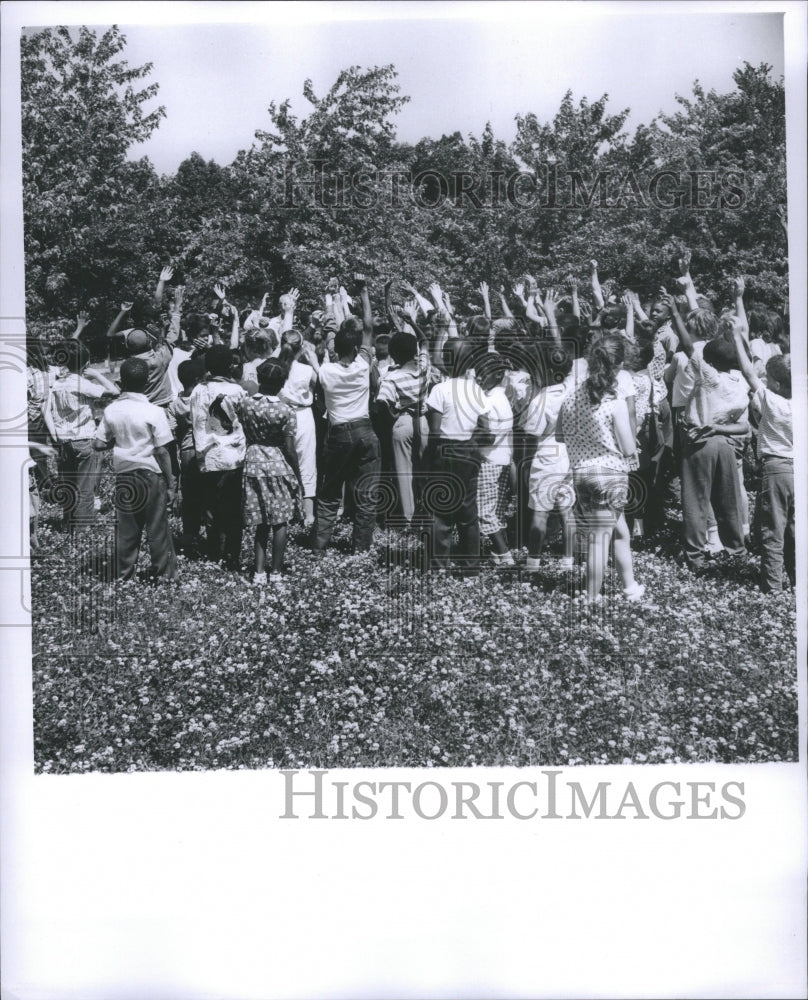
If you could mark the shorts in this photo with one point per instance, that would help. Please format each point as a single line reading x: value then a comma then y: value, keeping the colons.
x: 601, y: 490
x: 550, y: 489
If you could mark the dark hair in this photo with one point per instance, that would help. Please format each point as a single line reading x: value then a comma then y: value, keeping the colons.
x: 613, y: 317
x: 197, y: 325
x: 37, y: 355
x: 73, y: 355
x: 490, y: 370
x: 291, y: 342
x: 191, y: 372
x: 720, y: 354
x: 556, y: 362
x: 458, y: 356
x: 218, y: 360
x: 236, y: 364
x: 272, y: 375
x: 349, y: 336
x: 478, y: 330
x: 778, y: 367
x: 403, y: 347
x: 134, y: 375
x: 604, y: 360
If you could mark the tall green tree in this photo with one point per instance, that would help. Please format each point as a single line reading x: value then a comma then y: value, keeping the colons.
x: 83, y: 109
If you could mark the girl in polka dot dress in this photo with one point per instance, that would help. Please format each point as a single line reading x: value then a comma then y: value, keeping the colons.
x: 272, y: 488
x: 596, y: 428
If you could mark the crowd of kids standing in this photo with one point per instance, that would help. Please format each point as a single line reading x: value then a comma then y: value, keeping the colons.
x: 598, y: 408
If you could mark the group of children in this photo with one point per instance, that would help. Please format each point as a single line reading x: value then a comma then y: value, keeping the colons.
x: 455, y: 429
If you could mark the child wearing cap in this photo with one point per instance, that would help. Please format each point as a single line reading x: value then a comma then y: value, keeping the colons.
x: 138, y: 432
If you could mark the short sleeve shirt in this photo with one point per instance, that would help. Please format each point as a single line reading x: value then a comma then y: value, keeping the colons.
x: 589, y: 434
x: 135, y: 427
x: 158, y: 383
x: 775, y: 431
x: 541, y: 421
x: 717, y: 397
x: 347, y: 388
x: 71, y: 407
x: 500, y: 422
x: 297, y: 390
x: 461, y: 402
x: 217, y: 449
x: 403, y: 387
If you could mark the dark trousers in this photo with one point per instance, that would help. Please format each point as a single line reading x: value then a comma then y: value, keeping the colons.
x: 141, y: 501
x: 451, y: 498
x: 776, y: 499
x: 191, y: 485
x: 710, y: 477
x: 351, y: 459
x: 221, y: 505
x: 79, y: 466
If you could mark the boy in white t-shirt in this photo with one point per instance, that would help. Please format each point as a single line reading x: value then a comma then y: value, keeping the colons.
x: 138, y: 432
x: 352, y: 457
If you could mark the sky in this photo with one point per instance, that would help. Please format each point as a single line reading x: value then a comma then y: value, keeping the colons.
x: 461, y: 64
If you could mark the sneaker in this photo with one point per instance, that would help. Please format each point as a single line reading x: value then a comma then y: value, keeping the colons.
x: 532, y: 564
x: 635, y: 592
x: 259, y: 579
x: 96, y: 504
x: 566, y: 562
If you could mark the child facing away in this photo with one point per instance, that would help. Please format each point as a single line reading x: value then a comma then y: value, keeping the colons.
x: 272, y: 487
x: 550, y: 485
x: 190, y: 374
x: 775, y: 448
x: 70, y: 414
x: 138, y: 432
x: 493, y: 478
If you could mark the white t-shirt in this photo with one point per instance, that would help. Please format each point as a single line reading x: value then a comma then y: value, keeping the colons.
x: 177, y: 358
x: 775, y: 431
x: 461, y: 402
x: 136, y: 427
x: 500, y: 422
x: 683, y: 375
x: 347, y: 388
x: 540, y: 422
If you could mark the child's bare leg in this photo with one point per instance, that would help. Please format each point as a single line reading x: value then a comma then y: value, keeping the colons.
x: 261, y: 538
x: 568, y: 529
x: 622, y: 553
x: 278, y: 546
x: 599, y: 529
x: 537, y: 534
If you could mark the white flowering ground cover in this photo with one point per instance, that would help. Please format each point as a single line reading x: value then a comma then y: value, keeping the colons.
x: 364, y: 662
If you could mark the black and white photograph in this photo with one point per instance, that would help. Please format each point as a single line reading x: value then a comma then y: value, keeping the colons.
x: 411, y: 388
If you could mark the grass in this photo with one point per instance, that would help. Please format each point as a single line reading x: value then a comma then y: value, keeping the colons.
x: 362, y: 661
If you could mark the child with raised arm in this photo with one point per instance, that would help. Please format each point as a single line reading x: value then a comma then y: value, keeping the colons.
x: 272, y: 487
x: 775, y: 447
x: 597, y: 431
x: 138, y: 432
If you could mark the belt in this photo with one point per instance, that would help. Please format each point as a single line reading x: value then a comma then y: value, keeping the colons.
x: 361, y: 422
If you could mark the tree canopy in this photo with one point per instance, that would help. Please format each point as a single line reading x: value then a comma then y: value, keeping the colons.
x: 334, y: 191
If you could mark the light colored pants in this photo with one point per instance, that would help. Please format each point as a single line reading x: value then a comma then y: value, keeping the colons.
x: 403, y: 460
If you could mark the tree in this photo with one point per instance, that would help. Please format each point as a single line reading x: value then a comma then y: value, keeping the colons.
x: 82, y: 112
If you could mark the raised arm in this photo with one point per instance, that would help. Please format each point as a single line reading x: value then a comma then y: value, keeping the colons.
x: 739, y: 287
x: 686, y: 282
x: 175, y: 327
x: 550, y: 303
x: 288, y: 305
x: 628, y: 302
x: 367, y: 311
x: 594, y: 281
x: 165, y: 275
x: 572, y: 284
x: 503, y: 303
x: 685, y: 340
x: 482, y: 288
x: 82, y: 319
x: 392, y: 315
x: 742, y: 349
x: 126, y: 308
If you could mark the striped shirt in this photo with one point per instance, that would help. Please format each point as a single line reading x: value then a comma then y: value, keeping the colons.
x: 403, y: 387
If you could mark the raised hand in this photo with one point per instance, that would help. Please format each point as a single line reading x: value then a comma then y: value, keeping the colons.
x: 167, y: 273
x: 628, y: 301
x: 551, y: 300
x: 82, y: 319
x: 519, y: 291
x: 179, y: 295
x: 201, y: 343
x: 738, y: 286
x: 447, y: 302
x: 360, y: 281
x: 437, y: 295
x: 684, y: 263
x: 410, y: 308
x: 126, y: 307
x: 572, y: 283
x: 219, y: 290
x: 482, y: 288
x: 593, y: 266
x: 586, y: 311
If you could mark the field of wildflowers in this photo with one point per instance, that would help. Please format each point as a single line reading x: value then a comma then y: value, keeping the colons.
x: 360, y: 661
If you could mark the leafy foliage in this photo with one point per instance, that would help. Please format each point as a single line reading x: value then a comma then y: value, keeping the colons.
x: 333, y: 191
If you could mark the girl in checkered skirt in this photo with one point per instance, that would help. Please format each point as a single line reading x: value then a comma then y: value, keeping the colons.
x: 493, y: 481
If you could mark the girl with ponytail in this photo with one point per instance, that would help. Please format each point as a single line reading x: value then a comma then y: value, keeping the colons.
x: 596, y: 428
x: 299, y: 359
